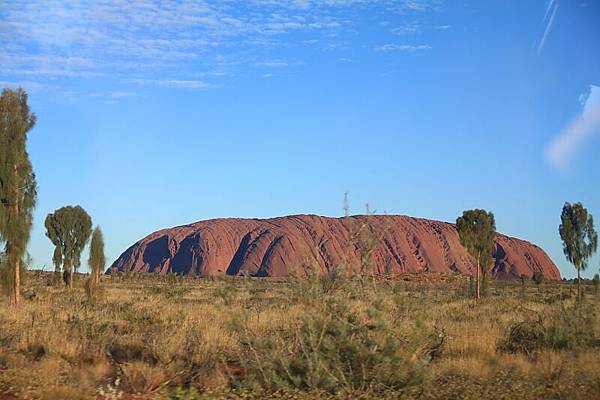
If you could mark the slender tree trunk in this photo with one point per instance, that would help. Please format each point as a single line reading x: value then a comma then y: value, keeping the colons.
x: 15, y: 248
x: 71, y: 275
x: 477, y: 295
x: 17, y: 283
x: 578, y: 284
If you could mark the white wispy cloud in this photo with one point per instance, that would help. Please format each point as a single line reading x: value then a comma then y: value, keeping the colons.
x: 402, y: 47
x: 548, y: 21
x: 565, y: 146
x: 415, y: 5
x: 408, y: 28
x: 175, y: 83
x: 54, y: 72
x: 52, y: 40
x: 272, y: 64
x: 110, y: 95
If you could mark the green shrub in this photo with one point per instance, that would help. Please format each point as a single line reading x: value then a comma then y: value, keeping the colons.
x: 573, y: 328
x: 339, y: 350
x: 525, y: 337
x: 569, y: 328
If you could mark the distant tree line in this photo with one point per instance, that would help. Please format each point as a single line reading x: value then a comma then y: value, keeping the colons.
x: 69, y: 228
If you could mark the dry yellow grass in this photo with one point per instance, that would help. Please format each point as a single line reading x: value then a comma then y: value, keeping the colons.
x: 226, y: 338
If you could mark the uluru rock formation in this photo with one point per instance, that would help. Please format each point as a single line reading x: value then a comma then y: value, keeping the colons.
x: 278, y: 246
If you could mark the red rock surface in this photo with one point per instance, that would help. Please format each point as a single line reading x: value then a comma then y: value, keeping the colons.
x: 278, y: 246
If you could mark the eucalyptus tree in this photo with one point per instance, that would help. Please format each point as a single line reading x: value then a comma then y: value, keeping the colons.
x: 69, y: 229
x: 18, y: 188
x: 57, y: 261
x: 97, y: 260
x: 477, y: 230
x: 580, y: 239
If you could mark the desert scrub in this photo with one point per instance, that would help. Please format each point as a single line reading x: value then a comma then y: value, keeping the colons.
x: 169, y: 291
x: 367, y: 339
x: 571, y: 328
x: 336, y: 349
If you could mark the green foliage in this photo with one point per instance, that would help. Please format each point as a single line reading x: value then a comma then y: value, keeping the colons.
x: 338, y: 350
x: 57, y: 258
x: 477, y: 230
x: 580, y: 239
x: 97, y: 259
x: 525, y: 337
x: 69, y: 228
x: 569, y: 328
x: 310, y: 284
x: 18, y: 188
x: 57, y: 261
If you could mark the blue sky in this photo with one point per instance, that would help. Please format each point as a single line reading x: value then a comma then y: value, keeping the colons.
x: 154, y: 114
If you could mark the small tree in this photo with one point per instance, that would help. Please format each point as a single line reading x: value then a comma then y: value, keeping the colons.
x: 97, y: 260
x: 477, y: 230
x: 69, y: 228
x: 580, y: 239
x: 57, y: 261
x: 538, y: 278
x: 596, y: 283
x: 18, y: 188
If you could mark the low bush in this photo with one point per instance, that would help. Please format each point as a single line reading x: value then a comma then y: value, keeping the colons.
x: 568, y: 328
x: 298, y: 338
x: 340, y: 350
